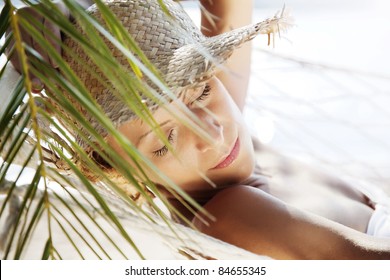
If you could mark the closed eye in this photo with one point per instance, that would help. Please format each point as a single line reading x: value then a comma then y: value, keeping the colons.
x: 203, y: 96
x: 164, y: 150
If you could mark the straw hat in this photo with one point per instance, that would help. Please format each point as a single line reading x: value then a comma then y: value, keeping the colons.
x: 184, y: 57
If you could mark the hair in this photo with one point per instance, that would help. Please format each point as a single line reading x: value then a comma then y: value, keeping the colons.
x: 113, y: 176
x: 98, y: 168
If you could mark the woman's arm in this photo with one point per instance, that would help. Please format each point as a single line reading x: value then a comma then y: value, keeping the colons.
x: 252, y: 219
x: 231, y: 14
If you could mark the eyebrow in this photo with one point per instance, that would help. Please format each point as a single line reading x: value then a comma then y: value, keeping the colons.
x: 150, y: 131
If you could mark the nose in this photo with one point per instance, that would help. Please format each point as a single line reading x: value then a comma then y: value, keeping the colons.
x: 213, y: 127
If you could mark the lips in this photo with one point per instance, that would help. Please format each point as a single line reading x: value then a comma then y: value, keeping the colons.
x: 229, y: 159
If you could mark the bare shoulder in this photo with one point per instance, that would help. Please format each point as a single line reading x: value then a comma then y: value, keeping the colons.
x: 231, y: 202
x: 256, y: 221
x: 244, y: 217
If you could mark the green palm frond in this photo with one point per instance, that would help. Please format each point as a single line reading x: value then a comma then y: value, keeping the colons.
x: 59, y: 199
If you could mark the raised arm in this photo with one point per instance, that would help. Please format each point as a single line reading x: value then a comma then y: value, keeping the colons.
x: 250, y: 218
x: 231, y: 14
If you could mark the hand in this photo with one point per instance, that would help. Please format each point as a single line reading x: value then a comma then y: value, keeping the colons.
x: 49, y: 29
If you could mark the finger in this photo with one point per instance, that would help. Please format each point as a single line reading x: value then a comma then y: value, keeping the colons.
x: 26, y: 38
x: 11, y: 50
x: 52, y: 34
x: 36, y: 84
x: 38, y: 26
x: 40, y: 49
x: 13, y: 57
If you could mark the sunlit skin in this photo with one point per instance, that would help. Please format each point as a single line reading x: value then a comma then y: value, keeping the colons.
x: 204, y: 166
x: 226, y: 158
x: 248, y: 212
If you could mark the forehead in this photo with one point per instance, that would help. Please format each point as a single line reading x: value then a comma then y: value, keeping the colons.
x: 136, y: 129
x: 162, y: 115
x: 188, y: 94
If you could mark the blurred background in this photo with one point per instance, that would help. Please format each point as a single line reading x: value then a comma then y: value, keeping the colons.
x: 322, y: 93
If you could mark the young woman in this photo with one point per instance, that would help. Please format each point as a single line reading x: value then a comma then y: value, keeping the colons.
x: 325, y: 220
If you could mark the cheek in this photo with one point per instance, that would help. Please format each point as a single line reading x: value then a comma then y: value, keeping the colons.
x: 180, y: 170
x: 223, y: 106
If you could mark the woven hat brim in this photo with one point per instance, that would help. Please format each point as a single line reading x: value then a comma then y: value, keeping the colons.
x: 198, y: 62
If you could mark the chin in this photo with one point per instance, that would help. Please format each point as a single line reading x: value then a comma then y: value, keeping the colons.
x: 244, y: 170
x: 234, y: 178
x: 245, y: 165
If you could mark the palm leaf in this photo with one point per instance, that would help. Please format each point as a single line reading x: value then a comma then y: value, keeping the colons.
x: 59, y: 202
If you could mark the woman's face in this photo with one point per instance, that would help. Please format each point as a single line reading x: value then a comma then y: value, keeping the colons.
x: 227, y: 159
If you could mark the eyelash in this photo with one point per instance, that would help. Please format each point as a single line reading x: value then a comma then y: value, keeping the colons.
x: 204, y: 95
x: 164, y: 150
